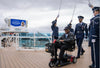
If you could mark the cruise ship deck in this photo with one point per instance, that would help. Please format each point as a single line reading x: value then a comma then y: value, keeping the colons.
x: 12, y: 58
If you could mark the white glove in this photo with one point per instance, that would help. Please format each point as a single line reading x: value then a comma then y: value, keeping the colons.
x: 57, y: 16
x: 93, y: 40
x: 90, y: 5
x: 71, y: 21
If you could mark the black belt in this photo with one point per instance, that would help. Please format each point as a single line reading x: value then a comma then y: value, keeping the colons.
x: 80, y: 32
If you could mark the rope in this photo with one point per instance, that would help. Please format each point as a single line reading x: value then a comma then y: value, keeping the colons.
x: 60, y: 4
x: 89, y: 1
x: 73, y: 13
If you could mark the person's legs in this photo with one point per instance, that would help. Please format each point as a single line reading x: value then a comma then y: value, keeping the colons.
x: 55, y: 37
x: 82, y: 50
x: 56, y: 46
x: 79, y: 44
x: 77, y: 41
x: 78, y: 48
x: 52, y: 38
x: 62, y: 50
x: 97, y: 53
x: 92, y: 55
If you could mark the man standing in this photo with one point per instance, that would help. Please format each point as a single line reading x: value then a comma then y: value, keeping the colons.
x: 79, y: 32
x: 95, y: 29
x: 90, y: 42
x: 55, y: 29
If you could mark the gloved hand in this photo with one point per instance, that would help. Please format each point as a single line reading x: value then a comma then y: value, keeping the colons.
x: 93, y: 40
x: 90, y: 5
x: 57, y: 17
x: 70, y: 21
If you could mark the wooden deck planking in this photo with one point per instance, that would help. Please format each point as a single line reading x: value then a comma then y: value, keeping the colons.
x: 10, y: 58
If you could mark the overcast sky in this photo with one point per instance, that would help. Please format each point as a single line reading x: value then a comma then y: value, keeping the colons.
x: 40, y: 13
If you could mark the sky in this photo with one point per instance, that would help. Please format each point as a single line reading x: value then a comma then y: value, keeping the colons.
x: 40, y: 13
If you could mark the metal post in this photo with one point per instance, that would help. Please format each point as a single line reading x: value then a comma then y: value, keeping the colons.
x: 34, y: 39
x: 18, y: 39
x: 0, y: 41
x: 0, y: 38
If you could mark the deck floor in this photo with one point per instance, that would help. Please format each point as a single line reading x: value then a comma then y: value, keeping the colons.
x: 11, y: 58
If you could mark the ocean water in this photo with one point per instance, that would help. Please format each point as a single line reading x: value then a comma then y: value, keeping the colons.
x: 35, y: 39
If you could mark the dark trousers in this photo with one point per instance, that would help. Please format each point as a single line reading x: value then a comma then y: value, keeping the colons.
x: 54, y: 37
x: 92, y: 54
x: 97, y: 56
x: 79, y: 44
x: 92, y: 51
x: 62, y: 50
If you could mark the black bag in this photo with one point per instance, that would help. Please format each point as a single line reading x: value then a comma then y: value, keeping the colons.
x: 49, y: 47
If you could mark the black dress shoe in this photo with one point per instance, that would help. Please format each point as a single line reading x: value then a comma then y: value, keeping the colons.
x: 91, y: 66
x: 89, y: 45
x: 82, y: 53
x: 61, y: 63
x: 77, y: 57
x: 57, y: 63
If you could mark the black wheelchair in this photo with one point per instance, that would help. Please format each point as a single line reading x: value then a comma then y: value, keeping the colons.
x: 68, y: 59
